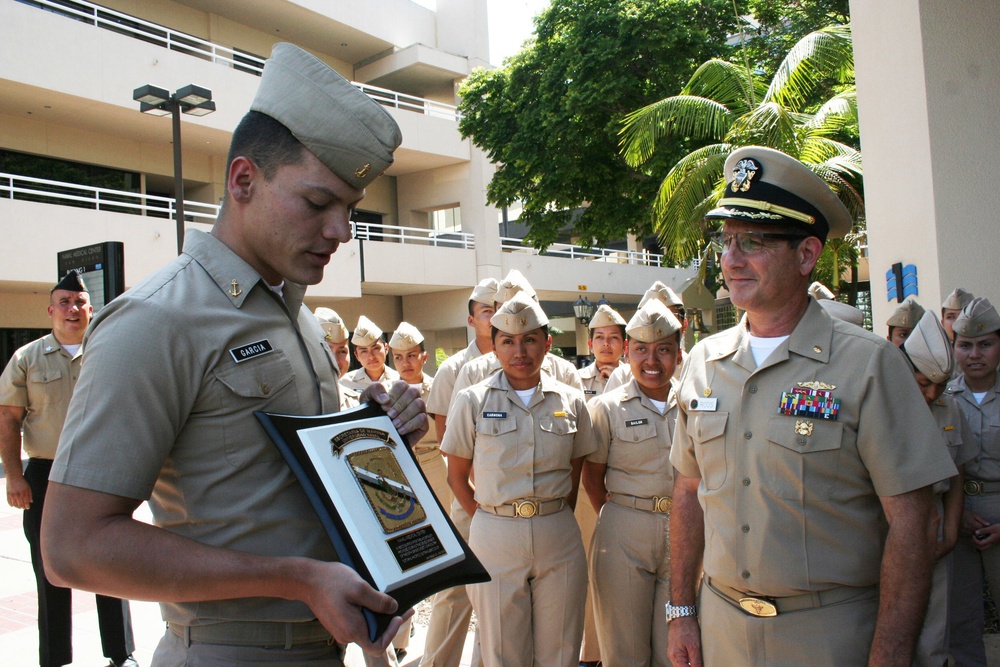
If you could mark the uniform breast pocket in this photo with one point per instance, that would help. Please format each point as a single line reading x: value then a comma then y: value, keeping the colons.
x: 802, y: 453
x: 555, y: 438
x: 47, y: 383
x: 259, y: 384
x: 496, y: 443
x: 638, y: 448
x: 708, y: 432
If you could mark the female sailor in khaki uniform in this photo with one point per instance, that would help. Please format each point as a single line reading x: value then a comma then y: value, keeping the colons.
x: 630, y: 554
x: 526, y: 435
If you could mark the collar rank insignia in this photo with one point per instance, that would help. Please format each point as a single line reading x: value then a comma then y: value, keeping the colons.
x: 363, y: 170
x: 743, y: 174
x: 234, y: 289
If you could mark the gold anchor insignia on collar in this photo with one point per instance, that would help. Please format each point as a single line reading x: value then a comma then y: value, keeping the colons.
x: 803, y: 427
x: 362, y: 171
x: 235, y: 290
x: 819, y: 386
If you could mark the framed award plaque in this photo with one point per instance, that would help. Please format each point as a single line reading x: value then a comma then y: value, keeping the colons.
x: 375, y: 504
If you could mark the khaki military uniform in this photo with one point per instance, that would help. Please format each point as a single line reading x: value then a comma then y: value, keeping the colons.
x: 593, y: 383
x: 970, y: 564
x: 358, y: 380
x: 191, y: 445
x: 630, y: 555
x: 451, y: 610
x: 932, y: 648
x: 531, y: 613
x: 791, y: 503
x: 40, y: 378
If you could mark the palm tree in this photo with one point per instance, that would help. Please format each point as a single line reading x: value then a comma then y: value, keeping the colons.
x: 730, y: 105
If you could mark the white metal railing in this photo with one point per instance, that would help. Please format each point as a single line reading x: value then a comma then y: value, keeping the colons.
x: 131, y: 26
x: 44, y: 191
x: 638, y: 257
x: 367, y: 231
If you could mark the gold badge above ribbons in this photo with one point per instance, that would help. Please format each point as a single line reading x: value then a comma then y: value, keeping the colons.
x: 386, y: 488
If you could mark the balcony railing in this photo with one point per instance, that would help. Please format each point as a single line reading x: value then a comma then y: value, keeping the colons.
x: 26, y: 188
x: 367, y: 231
x: 637, y: 257
x: 152, y: 33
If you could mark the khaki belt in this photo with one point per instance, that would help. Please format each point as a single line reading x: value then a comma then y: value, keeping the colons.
x: 253, y: 633
x: 656, y: 504
x: 526, y: 508
x: 974, y: 487
x: 764, y: 607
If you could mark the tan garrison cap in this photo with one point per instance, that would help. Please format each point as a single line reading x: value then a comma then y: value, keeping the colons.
x: 768, y: 187
x: 842, y: 311
x: 513, y: 283
x: 347, y: 130
x: 485, y: 291
x: 71, y: 282
x: 662, y: 293
x: 333, y: 325
x: 405, y: 336
x: 977, y: 319
x: 518, y: 314
x: 606, y: 316
x: 653, y: 322
x: 958, y: 299
x: 366, y: 333
x: 819, y: 291
x: 929, y: 348
x: 907, y: 315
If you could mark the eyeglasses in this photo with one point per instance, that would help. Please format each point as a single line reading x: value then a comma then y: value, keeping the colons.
x: 748, y: 242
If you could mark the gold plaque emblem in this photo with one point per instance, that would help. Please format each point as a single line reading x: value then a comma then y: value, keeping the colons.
x: 819, y: 386
x: 386, y: 488
x: 234, y: 289
x: 362, y: 171
x: 803, y: 427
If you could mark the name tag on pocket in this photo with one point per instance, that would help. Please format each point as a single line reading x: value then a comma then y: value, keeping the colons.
x: 704, y: 404
x: 494, y: 415
x: 636, y: 422
x: 251, y: 350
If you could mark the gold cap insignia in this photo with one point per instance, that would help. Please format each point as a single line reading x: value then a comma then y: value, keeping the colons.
x: 362, y: 171
x: 707, y: 392
x: 327, y: 337
x: 803, y: 427
x: 743, y: 175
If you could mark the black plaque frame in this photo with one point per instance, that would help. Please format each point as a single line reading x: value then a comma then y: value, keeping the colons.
x: 283, y: 430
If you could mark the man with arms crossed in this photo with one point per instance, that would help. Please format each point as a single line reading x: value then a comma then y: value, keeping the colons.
x: 237, y: 557
x: 804, y: 452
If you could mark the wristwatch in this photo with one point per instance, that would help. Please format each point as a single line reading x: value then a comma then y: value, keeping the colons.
x: 680, y: 612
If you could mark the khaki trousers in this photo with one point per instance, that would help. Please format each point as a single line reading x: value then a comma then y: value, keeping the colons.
x: 451, y: 612
x: 630, y: 576
x: 834, y: 635
x: 932, y: 646
x: 173, y: 652
x: 531, y: 613
x: 586, y: 517
x: 969, y: 568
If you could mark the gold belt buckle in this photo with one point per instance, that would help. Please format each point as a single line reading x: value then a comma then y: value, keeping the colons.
x: 661, y: 505
x: 526, y: 509
x: 758, y: 607
x: 973, y: 487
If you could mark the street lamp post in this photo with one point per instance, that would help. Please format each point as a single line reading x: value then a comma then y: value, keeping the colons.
x: 191, y: 99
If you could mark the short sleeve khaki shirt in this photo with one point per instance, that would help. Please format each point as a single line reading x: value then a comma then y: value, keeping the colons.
x: 519, y: 451
x: 984, y: 425
x: 444, y: 380
x: 40, y: 378
x: 791, y: 503
x: 358, y: 380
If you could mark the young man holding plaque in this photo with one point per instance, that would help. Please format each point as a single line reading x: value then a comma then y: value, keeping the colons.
x: 629, y: 481
x: 526, y: 435
x: 237, y: 556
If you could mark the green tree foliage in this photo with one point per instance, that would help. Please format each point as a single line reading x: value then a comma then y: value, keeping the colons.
x: 782, y: 23
x: 725, y: 106
x: 550, y: 116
